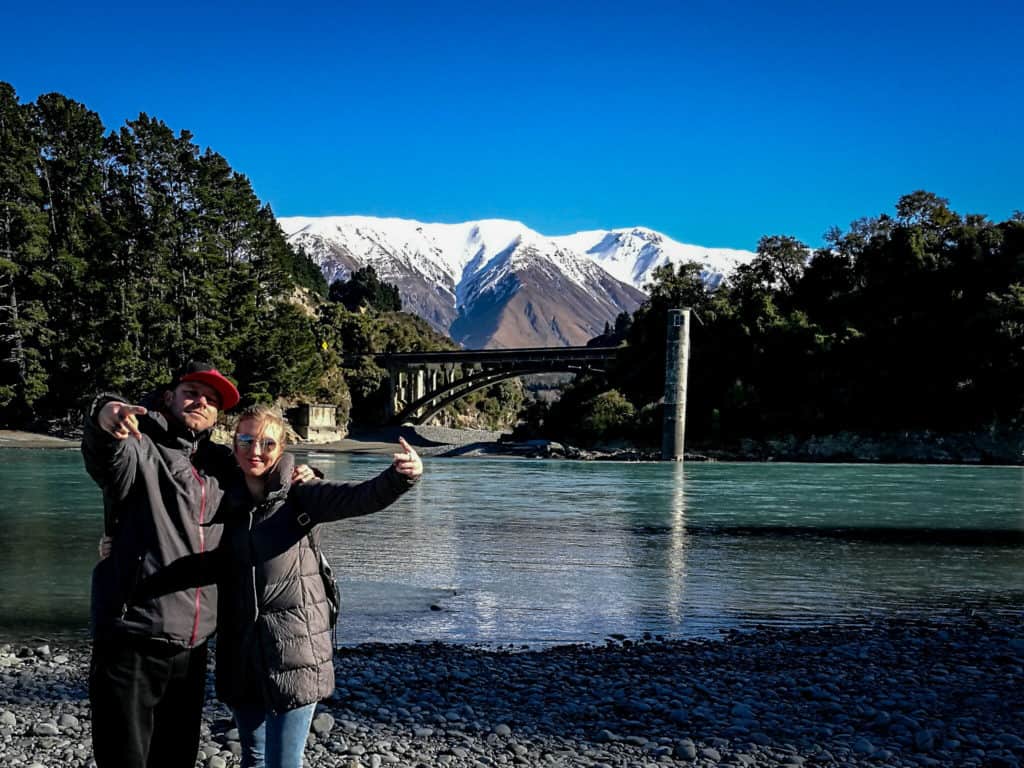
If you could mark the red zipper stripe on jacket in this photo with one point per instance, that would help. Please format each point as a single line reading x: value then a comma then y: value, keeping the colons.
x: 202, y: 548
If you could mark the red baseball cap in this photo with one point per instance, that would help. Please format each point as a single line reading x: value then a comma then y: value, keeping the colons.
x: 210, y: 376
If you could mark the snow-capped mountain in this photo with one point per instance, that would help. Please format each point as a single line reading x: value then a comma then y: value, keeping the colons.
x: 498, y: 283
x: 632, y: 255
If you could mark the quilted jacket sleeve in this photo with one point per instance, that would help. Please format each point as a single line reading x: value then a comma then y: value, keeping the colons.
x: 318, y: 502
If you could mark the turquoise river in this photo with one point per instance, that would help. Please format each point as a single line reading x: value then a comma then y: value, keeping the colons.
x: 502, y: 551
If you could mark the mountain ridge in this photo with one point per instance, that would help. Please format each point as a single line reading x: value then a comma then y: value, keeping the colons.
x: 525, y: 288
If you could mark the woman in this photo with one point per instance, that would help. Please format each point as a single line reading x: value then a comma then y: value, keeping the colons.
x: 274, y: 649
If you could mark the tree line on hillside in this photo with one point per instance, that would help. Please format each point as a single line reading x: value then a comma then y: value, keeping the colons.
x: 906, y: 323
x: 125, y: 254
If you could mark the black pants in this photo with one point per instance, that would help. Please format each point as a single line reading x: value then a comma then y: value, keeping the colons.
x: 147, y: 703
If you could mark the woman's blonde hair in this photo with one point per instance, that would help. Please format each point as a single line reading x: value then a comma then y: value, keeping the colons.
x: 265, y: 417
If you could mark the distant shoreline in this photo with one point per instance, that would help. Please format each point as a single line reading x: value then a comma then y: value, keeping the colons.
x: 429, y: 441
x: 16, y: 439
x: 10, y: 438
x: 966, y: 449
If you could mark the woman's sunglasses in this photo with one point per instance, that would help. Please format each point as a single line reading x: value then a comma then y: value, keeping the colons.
x: 248, y: 442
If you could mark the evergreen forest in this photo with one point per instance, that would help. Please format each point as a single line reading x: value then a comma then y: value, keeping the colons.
x: 124, y: 254
x: 912, y: 322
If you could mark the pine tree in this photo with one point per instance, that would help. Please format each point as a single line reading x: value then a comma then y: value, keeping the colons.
x: 25, y: 281
x: 70, y: 166
x: 365, y: 290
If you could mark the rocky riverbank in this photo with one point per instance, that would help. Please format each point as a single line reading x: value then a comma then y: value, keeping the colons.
x: 1005, y: 447
x: 937, y: 692
x: 984, y: 447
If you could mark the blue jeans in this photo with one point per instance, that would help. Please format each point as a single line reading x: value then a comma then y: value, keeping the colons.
x: 272, y: 739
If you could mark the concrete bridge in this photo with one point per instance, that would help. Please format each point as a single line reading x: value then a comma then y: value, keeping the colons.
x: 422, y: 383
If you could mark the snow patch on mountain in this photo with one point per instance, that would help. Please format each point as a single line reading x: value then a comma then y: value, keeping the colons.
x: 453, y: 253
x: 631, y: 255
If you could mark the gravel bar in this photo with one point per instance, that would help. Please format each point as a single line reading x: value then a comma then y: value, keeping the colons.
x: 943, y: 691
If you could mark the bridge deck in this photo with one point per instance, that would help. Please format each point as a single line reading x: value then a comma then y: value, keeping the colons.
x: 494, y: 356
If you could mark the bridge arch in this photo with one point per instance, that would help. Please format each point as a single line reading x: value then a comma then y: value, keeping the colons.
x: 428, y: 406
x: 453, y: 375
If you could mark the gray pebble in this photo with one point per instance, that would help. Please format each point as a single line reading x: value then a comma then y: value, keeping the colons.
x: 46, y: 729
x: 209, y: 750
x: 863, y: 747
x: 685, y: 749
x: 322, y: 724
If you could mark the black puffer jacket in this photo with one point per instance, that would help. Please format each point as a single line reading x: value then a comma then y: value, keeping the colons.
x: 157, y: 504
x: 274, y: 647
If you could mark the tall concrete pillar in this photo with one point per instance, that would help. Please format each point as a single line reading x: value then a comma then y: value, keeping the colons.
x: 402, y: 397
x: 677, y: 359
x: 392, y: 393
x: 419, y: 384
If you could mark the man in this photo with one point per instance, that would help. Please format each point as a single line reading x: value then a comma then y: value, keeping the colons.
x: 159, y: 474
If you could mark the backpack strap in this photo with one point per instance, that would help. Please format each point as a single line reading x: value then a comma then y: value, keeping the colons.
x: 321, y: 559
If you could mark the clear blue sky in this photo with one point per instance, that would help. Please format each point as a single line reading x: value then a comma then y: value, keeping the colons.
x: 713, y: 122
